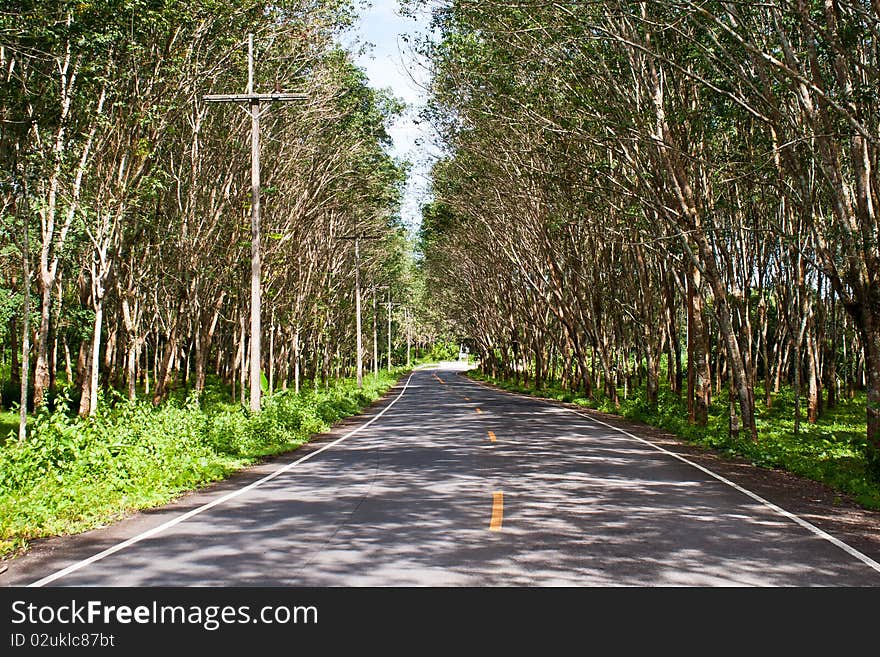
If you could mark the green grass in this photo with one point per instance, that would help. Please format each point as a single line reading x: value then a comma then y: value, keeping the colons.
x: 8, y: 424
x: 831, y: 451
x: 75, y: 474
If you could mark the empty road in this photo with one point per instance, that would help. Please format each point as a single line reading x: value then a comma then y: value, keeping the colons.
x: 451, y: 483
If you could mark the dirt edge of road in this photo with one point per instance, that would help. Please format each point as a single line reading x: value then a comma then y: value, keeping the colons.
x: 831, y: 511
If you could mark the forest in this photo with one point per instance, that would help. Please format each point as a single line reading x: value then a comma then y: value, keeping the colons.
x: 666, y: 210
x: 127, y: 243
x: 129, y: 197
x: 654, y: 198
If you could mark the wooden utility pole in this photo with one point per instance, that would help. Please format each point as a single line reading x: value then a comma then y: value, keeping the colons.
x: 357, y: 237
x: 254, y: 100
x: 389, y: 304
x: 407, y: 318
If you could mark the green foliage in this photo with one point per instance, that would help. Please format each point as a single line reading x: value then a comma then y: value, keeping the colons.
x: 443, y: 351
x: 10, y: 308
x: 8, y: 426
x: 74, y: 473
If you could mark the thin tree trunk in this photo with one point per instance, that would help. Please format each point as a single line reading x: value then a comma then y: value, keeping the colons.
x: 272, y: 353
x: 296, y: 362
x: 41, y: 369
x: 242, y: 349
x: 699, y: 377
x: 831, y: 357
x: 131, y: 369
x: 813, y: 391
x: 85, y: 397
x: 68, y: 368
x: 95, y: 360
x: 147, y: 367
x: 25, y: 333
x: 163, y: 375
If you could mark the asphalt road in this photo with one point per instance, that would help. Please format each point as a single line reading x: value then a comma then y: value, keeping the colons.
x: 454, y: 484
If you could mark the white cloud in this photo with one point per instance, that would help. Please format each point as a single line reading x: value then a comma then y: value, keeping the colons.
x: 390, y: 64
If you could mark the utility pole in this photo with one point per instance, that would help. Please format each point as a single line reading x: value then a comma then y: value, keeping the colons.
x: 375, y: 340
x: 406, y: 316
x: 376, y: 364
x: 357, y: 237
x: 254, y: 100
x: 389, y: 303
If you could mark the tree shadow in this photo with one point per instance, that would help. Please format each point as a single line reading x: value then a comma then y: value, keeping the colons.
x: 407, y: 502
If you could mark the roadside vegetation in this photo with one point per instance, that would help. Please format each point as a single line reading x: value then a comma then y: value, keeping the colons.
x: 76, y: 473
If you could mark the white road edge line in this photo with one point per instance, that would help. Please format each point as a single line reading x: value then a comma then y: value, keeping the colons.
x: 220, y: 500
x: 787, y: 514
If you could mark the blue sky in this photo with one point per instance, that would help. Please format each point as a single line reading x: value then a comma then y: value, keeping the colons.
x: 389, y: 63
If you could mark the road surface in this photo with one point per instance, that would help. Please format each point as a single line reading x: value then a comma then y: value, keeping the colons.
x: 450, y: 483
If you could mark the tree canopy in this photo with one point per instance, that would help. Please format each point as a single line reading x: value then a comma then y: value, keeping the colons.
x: 134, y: 195
x: 623, y: 181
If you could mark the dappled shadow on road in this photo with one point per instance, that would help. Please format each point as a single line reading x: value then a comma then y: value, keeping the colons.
x: 407, y: 502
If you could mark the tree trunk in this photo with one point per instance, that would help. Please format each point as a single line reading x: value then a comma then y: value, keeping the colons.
x: 765, y: 351
x: 199, y: 357
x: 131, y: 368
x: 831, y: 358
x: 41, y: 368
x: 84, y: 368
x: 68, y: 369
x: 242, y: 350
x: 110, y: 356
x: 271, y: 363
x: 871, y: 341
x: 296, y: 362
x: 699, y: 377
x: 163, y: 375
x: 736, y: 364
x: 15, y: 359
x: 814, y: 395
x: 734, y: 425
x: 147, y: 368
x: 25, y: 337
x: 95, y: 360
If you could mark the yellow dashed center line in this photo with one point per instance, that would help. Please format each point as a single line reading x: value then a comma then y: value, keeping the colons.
x: 497, y: 511
x: 439, y: 379
x: 492, y: 436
